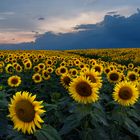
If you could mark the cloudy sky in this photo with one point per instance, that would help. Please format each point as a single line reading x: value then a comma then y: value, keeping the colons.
x: 23, y: 20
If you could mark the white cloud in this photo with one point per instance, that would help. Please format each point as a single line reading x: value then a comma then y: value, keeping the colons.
x: 64, y: 25
x: 16, y: 37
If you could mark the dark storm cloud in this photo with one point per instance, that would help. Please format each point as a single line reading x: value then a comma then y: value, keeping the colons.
x: 113, y: 32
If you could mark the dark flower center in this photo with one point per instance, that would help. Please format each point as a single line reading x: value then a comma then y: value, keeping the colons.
x: 83, y: 89
x: 114, y: 76
x: 132, y: 77
x: 14, y: 81
x: 97, y: 68
x: 125, y: 93
x: 37, y: 77
x: 25, y: 111
x: 63, y: 70
x: 67, y: 80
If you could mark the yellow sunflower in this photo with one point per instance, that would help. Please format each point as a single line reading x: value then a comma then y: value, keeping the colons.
x: 98, y: 68
x: 63, y: 69
x: 25, y: 112
x: 37, y: 78
x: 94, y: 77
x: 114, y: 76
x: 36, y: 69
x: 130, y: 65
x: 45, y: 75
x: 132, y: 76
x: 125, y: 93
x: 83, y: 90
x: 73, y: 72
x: 41, y: 66
x: 18, y: 68
x: 14, y: 81
x: 65, y: 80
x: 9, y: 68
x: 50, y: 70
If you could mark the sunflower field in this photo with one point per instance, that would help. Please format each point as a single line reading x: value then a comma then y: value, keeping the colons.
x: 70, y: 95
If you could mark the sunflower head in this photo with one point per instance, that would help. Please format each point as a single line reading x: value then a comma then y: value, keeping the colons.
x: 25, y: 112
x: 125, y: 93
x: 94, y: 77
x: 132, y: 76
x: 63, y: 70
x: 37, y: 78
x: 14, y: 81
x: 65, y: 80
x: 45, y: 75
x: 114, y: 76
x: 83, y: 90
x: 98, y: 68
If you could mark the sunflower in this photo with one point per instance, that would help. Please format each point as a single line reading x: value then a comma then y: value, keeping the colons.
x: 28, y: 65
x: 65, y: 80
x: 36, y: 69
x: 18, y: 68
x: 125, y: 93
x: 132, y: 76
x: 106, y: 70
x: 130, y: 65
x: 25, y: 112
x: 94, y: 77
x: 14, y: 81
x: 98, y: 68
x: 63, y: 69
x: 50, y: 70
x: 37, y: 78
x: 114, y: 76
x: 45, y: 75
x: 73, y: 72
x: 9, y: 68
x: 83, y: 90
x: 41, y: 66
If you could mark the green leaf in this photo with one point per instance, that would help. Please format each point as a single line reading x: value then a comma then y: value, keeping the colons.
x: 15, y: 135
x: 132, y: 127
x: 47, y: 132
x: 70, y: 123
x: 50, y: 107
x: 98, y: 116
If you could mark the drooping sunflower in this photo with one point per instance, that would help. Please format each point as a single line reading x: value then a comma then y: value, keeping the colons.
x: 37, y: 78
x: 114, y: 76
x: 125, y: 93
x: 14, y: 81
x: 83, y: 90
x: 25, y: 112
x: 65, y: 80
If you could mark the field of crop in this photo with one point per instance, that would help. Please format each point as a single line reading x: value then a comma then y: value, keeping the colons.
x: 70, y: 95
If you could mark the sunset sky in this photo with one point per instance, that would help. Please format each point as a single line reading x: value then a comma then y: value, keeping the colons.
x: 23, y: 20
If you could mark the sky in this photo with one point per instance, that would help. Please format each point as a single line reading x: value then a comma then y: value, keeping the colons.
x: 25, y: 20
